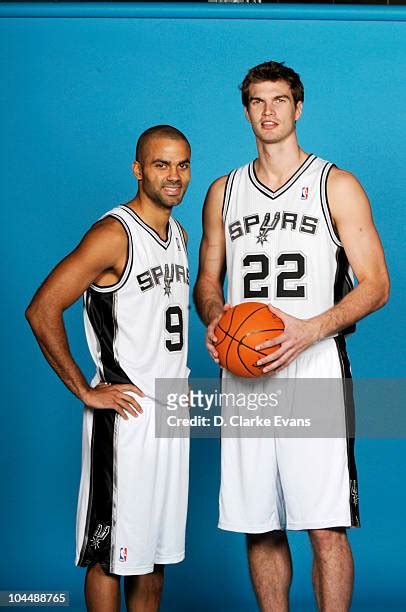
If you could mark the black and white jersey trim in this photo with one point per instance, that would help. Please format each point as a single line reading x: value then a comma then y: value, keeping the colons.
x: 264, y: 189
x: 227, y: 194
x: 325, y: 206
x: 129, y: 263
x: 150, y: 230
x: 182, y: 235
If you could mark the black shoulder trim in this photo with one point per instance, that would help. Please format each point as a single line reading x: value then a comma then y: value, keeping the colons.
x: 325, y: 206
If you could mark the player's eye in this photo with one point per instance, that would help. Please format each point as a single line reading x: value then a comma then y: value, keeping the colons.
x: 159, y: 165
x: 185, y: 165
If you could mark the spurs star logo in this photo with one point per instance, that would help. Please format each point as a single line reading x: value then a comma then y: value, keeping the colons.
x: 354, y: 492
x: 266, y: 228
x: 99, y: 535
x: 168, y: 280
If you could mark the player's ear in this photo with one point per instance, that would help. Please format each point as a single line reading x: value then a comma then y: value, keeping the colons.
x: 137, y: 170
x: 247, y: 114
x: 298, y: 111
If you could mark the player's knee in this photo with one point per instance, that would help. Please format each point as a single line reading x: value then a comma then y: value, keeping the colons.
x: 324, y: 540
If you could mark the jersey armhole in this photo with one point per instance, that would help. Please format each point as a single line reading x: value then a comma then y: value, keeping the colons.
x: 325, y: 205
x: 182, y: 235
x: 227, y: 195
x: 127, y: 268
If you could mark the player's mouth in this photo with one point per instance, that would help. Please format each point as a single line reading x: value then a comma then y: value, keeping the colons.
x: 269, y: 125
x: 172, y: 190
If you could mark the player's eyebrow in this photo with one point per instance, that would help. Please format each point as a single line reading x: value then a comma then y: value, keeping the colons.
x: 168, y: 163
x: 255, y: 98
x: 160, y: 161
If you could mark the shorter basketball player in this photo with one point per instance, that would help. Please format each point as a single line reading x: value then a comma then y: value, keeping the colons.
x: 290, y: 227
x: 132, y: 269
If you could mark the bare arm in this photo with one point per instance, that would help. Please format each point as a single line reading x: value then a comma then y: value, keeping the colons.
x: 102, y: 251
x: 352, y: 217
x: 208, y: 291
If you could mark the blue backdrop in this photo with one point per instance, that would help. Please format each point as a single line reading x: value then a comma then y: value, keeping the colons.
x: 77, y: 93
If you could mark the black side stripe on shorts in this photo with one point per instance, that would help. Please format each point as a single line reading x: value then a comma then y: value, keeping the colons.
x: 350, y: 428
x: 98, y: 542
x: 98, y: 538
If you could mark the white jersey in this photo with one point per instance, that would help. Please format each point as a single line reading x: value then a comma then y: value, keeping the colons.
x: 137, y: 329
x: 281, y: 245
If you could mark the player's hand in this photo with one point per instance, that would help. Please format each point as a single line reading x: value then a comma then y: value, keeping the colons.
x: 210, y: 335
x: 114, y: 397
x: 298, y: 335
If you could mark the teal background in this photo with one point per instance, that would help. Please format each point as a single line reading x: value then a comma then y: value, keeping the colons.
x: 76, y: 94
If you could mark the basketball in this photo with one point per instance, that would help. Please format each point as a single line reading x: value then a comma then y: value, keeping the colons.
x: 239, y: 331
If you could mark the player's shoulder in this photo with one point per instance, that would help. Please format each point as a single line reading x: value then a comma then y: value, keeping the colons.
x: 218, y: 185
x: 108, y: 229
x: 342, y: 180
x: 180, y: 227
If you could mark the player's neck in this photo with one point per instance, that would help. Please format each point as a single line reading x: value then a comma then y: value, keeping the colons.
x: 155, y: 216
x: 277, y: 162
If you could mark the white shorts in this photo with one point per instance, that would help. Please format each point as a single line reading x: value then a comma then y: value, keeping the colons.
x: 275, y: 482
x: 133, y: 493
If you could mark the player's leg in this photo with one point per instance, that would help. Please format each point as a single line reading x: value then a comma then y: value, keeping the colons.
x: 271, y: 569
x: 333, y: 569
x: 143, y: 593
x: 102, y: 590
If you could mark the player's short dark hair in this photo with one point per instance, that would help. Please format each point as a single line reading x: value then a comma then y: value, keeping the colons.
x: 272, y: 71
x: 165, y: 131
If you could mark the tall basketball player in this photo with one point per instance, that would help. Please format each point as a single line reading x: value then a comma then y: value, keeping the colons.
x: 132, y: 268
x: 290, y: 227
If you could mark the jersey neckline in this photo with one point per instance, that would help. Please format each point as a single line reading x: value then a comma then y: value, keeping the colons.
x: 151, y: 231
x: 275, y: 194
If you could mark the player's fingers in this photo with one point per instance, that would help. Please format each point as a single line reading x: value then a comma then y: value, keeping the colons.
x: 126, y: 405
x: 127, y: 397
x: 272, y: 357
x: 279, y: 364
x: 271, y: 342
x: 211, y: 349
x: 121, y: 412
x: 132, y: 388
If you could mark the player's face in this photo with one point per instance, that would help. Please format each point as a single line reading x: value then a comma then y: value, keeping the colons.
x: 272, y: 111
x: 164, y: 173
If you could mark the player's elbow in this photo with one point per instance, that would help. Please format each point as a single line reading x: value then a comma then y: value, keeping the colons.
x: 36, y: 315
x: 385, y: 293
x: 382, y: 292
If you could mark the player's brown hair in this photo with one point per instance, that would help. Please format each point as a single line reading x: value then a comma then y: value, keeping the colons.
x: 165, y: 131
x: 272, y: 71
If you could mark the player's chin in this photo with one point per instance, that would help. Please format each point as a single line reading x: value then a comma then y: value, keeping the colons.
x: 171, y: 201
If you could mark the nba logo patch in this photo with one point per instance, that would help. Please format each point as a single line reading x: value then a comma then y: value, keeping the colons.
x: 305, y: 193
x: 123, y: 553
x: 178, y: 243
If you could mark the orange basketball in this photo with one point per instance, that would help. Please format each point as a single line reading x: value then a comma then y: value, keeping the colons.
x: 239, y: 331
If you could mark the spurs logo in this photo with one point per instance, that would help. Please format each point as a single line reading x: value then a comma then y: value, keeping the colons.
x: 354, y: 492
x: 168, y: 279
x: 266, y: 228
x: 99, y: 535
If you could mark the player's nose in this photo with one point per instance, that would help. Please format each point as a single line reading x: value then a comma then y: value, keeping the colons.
x: 173, y: 173
x: 269, y: 109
